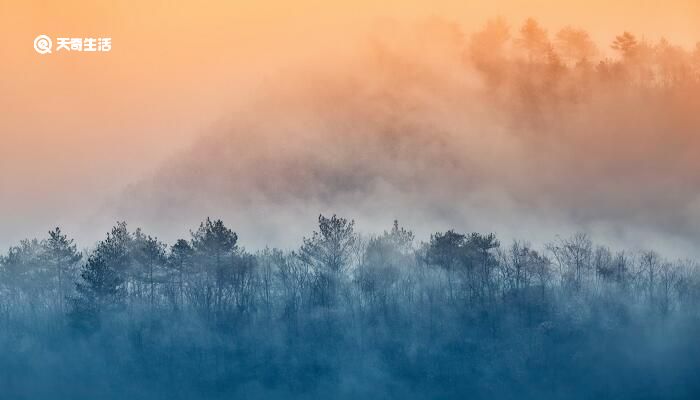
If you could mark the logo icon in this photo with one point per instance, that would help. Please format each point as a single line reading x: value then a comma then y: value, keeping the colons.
x: 42, y: 44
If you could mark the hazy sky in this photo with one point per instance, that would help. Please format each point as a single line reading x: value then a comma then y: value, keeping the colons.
x: 76, y: 129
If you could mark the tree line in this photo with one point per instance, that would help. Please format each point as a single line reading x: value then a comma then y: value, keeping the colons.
x: 458, y: 313
x: 530, y: 69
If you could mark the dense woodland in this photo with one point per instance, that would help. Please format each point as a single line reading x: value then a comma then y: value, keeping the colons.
x: 530, y: 67
x: 344, y: 315
x: 455, y: 315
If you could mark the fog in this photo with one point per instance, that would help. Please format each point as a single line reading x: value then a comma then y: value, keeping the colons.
x: 78, y: 130
x: 425, y: 123
x: 337, y: 201
x: 344, y: 315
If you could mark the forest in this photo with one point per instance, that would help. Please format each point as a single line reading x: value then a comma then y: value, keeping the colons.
x: 347, y: 314
x: 344, y: 315
x: 533, y: 67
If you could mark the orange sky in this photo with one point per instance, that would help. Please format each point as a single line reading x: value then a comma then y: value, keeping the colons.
x: 76, y: 128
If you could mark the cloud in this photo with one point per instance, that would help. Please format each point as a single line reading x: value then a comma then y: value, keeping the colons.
x: 410, y: 130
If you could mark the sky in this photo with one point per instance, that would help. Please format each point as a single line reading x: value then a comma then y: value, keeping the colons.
x: 79, y: 131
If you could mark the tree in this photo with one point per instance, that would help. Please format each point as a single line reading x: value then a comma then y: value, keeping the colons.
x: 149, y: 258
x: 516, y: 264
x: 295, y: 278
x: 214, y: 245
x: 447, y: 250
x: 116, y: 249
x: 213, y: 241
x: 180, y: 261
x: 603, y: 262
x: 672, y: 64
x: 24, y: 272
x: 535, y: 41
x: 669, y: 278
x: 612, y: 269
x: 63, y: 254
x: 574, y: 258
x: 242, y: 278
x: 482, y: 246
x: 328, y: 253
x: 626, y: 44
x: 487, y: 50
x: 575, y: 45
x: 382, y: 261
x: 650, y: 263
x: 99, y: 291
x: 527, y: 275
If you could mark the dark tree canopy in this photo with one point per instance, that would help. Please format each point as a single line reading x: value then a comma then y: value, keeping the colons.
x: 459, y: 315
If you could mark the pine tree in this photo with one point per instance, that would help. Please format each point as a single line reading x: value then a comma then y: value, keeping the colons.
x: 148, y: 255
x: 99, y: 291
x: 214, y: 245
x: 63, y: 255
x: 180, y: 262
x: 328, y: 253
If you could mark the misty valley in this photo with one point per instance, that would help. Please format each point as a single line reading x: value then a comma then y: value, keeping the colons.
x: 544, y: 191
